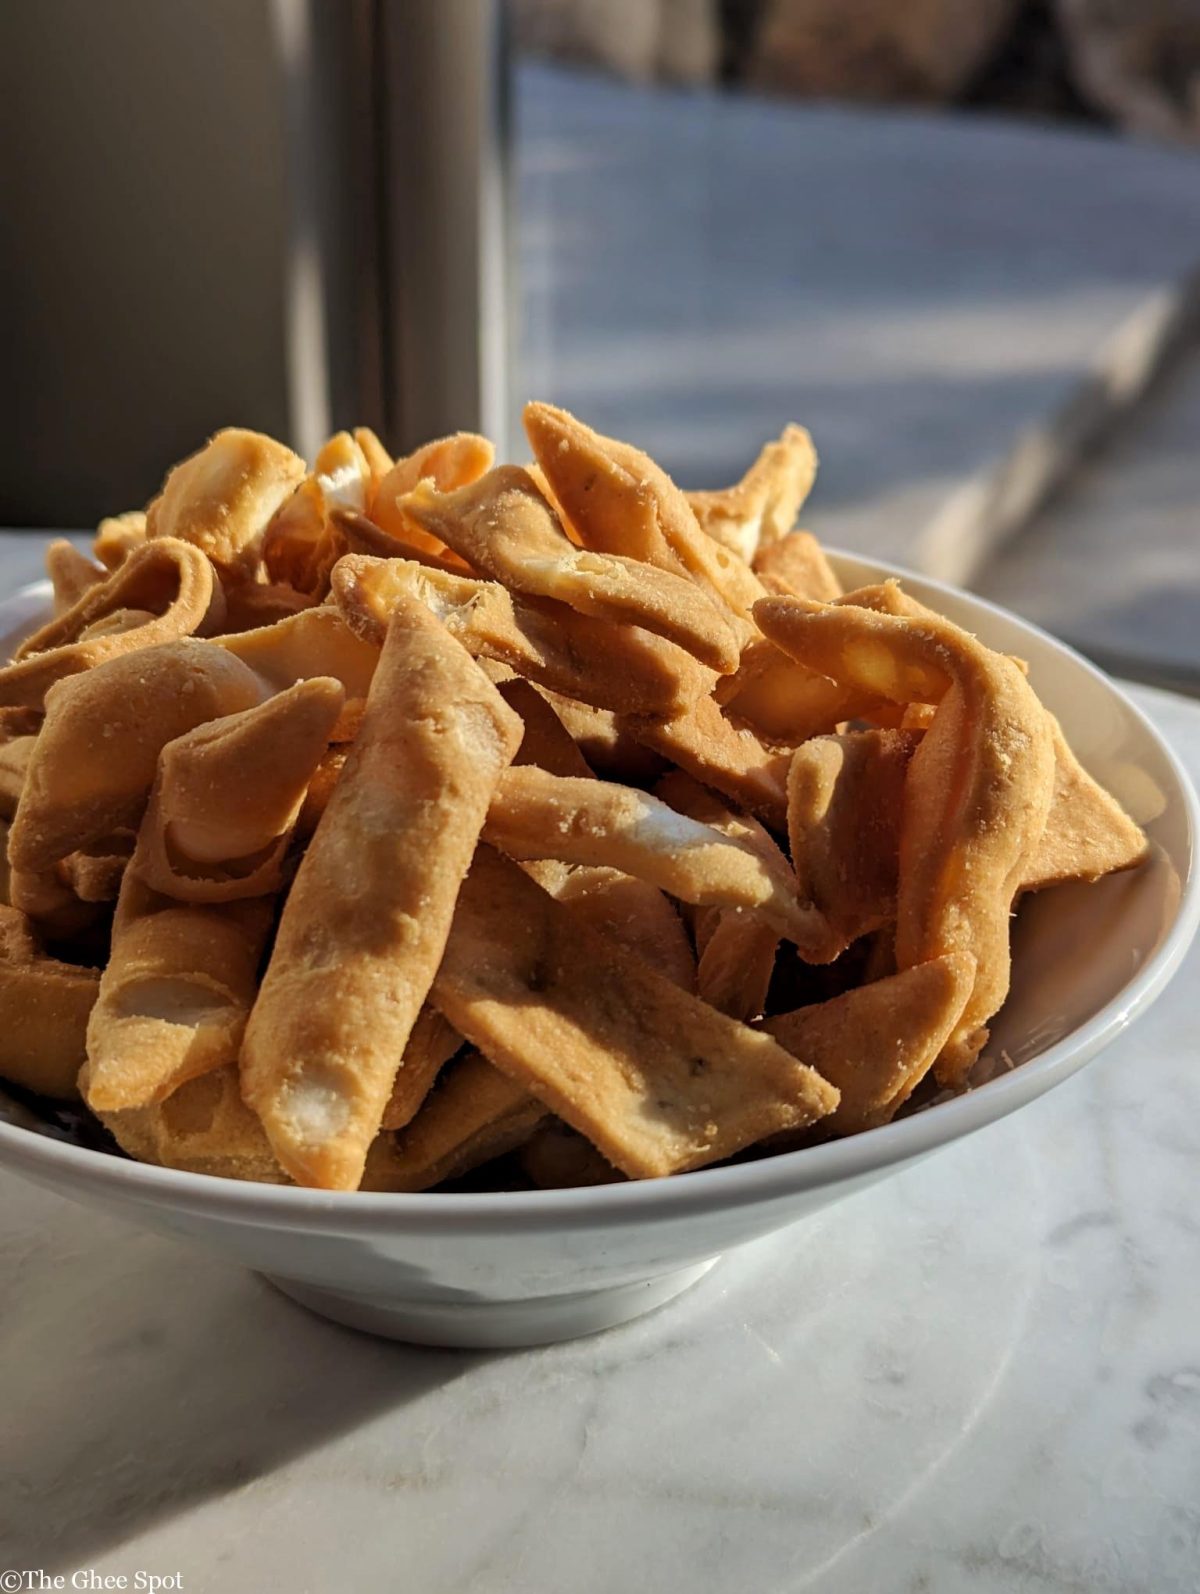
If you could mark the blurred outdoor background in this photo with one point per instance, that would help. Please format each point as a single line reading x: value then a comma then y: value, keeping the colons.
x: 957, y: 239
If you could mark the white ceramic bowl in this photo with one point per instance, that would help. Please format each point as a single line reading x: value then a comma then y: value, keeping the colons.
x: 531, y: 1267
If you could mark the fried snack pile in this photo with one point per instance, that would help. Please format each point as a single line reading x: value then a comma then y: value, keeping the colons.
x: 389, y: 822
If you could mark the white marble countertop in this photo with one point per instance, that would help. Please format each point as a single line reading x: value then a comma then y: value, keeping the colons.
x: 983, y: 1375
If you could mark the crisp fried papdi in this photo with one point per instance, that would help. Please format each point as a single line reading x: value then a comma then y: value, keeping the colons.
x: 163, y: 591
x: 1087, y: 833
x: 174, y: 997
x: 845, y: 805
x: 472, y: 1114
x: 229, y: 792
x: 302, y: 542
x: 44, y: 1007
x: 71, y: 574
x: 366, y: 920
x: 118, y: 536
x: 94, y: 762
x: 449, y: 463
x: 619, y: 501
x: 504, y: 528
x: 654, y: 1078
x: 878, y: 1042
x: 758, y: 511
x: 978, y: 789
x: 221, y: 499
x: 620, y: 667
x: 317, y: 642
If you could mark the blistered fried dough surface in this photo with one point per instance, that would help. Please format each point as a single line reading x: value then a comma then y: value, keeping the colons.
x: 619, y: 501
x: 162, y: 592
x: 367, y: 917
x: 721, y: 754
x: 44, y: 1007
x: 977, y: 794
x: 173, y: 1001
x: 796, y: 567
x: 433, y: 1041
x: 92, y: 767
x: 538, y: 815
x: 877, y: 1043
x: 504, y: 528
x: 472, y: 1114
x: 221, y: 498
x: 619, y: 667
x: 845, y: 806
x: 229, y: 792
x: 203, y: 1127
x: 654, y: 1078
x: 758, y: 511
x: 1087, y: 834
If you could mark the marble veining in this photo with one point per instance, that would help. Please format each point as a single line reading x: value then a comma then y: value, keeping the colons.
x: 983, y: 1374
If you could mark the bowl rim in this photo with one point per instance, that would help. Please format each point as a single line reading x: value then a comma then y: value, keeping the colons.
x: 751, y: 1183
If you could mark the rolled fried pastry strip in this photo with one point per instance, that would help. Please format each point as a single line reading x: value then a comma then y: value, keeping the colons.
x: 221, y: 498
x: 538, y: 815
x: 654, y: 1078
x: 618, y: 667
x: 619, y: 501
x: 977, y: 793
x: 203, y: 1127
x: 174, y: 997
x: 94, y: 761
x: 44, y: 1007
x: 366, y: 920
x: 504, y: 527
x: 229, y: 792
x: 845, y: 808
x: 162, y: 592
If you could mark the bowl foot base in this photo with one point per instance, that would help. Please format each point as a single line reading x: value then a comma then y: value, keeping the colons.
x: 494, y: 1325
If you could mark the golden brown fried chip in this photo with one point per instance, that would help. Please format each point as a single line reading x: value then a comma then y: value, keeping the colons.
x: 221, y: 498
x: 796, y: 567
x: 546, y: 741
x: 94, y: 873
x: 472, y: 1114
x: 203, y: 1127
x: 758, y: 511
x: 878, y: 1042
x: 633, y: 912
x: 606, y: 745
x: 174, y: 998
x: 778, y: 699
x: 162, y: 592
x: 977, y: 793
x: 94, y: 762
x: 538, y: 815
x: 654, y: 1078
x: 1087, y: 833
x: 14, y: 761
x: 621, y: 667
x: 433, y: 1042
x: 845, y: 807
x: 620, y: 502
x: 367, y: 917
x: 229, y: 792
x: 44, y: 1007
x: 449, y: 463
x: 504, y: 528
